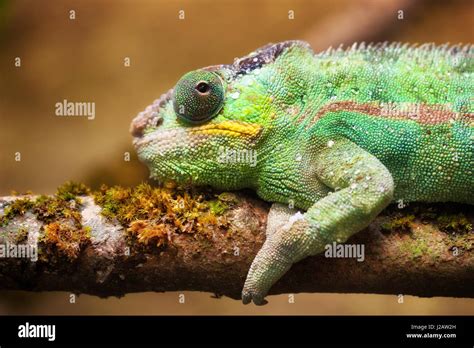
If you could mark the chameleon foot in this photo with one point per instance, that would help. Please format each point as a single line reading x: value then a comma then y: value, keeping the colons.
x: 273, y: 259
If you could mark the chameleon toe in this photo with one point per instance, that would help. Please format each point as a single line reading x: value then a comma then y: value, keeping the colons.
x: 246, y: 297
x: 257, y: 298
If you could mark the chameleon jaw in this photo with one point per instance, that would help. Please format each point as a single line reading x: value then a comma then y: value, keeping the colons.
x: 229, y: 128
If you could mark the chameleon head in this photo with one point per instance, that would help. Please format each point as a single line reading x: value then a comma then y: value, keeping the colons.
x: 192, y: 134
x: 211, y: 128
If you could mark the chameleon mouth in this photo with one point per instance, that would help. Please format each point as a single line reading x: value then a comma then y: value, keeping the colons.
x: 228, y: 128
x: 160, y: 139
x: 150, y: 116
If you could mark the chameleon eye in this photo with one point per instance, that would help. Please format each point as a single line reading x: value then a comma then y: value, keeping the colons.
x: 203, y: 87
x: 198, y: 96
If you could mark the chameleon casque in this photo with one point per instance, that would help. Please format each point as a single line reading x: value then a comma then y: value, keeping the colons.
x: 338, y: 135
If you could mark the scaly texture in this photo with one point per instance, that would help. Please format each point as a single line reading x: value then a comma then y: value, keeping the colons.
x: 339, y: 134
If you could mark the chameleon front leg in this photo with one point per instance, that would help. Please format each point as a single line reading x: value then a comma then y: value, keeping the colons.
x: 362, y: 187
x: 279, y: 216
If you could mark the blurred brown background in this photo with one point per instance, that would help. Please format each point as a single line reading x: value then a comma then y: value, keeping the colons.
x: 83, y: 60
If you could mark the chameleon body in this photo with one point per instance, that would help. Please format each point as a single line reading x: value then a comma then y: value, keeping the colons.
x: 338, y: 135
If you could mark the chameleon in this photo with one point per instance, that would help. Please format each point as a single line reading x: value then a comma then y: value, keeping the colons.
x: 337, y: 136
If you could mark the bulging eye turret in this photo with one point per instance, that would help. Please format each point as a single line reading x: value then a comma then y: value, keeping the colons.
x: 198, y: 96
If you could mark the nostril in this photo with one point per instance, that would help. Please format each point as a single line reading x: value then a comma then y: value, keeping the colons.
x: 143, y: 120
x: 155, y: 119
x: 158, y: 121
x: 138, y: 125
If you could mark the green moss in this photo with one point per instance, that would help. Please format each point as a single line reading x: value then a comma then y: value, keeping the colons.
x: 70, y: 189
x: 148, y: 233
x: 454, y: 223
x: 17, y: 208
x: 228, y: 197
x: 414, y: 248
x: 62, y: 241
x: 111, y: 200
x: 398, y: 223
x: 49, y: 209
x: 63, y: 233
x: 151, y: 214
x: 420, y: 248
x: 21, y: 235
x: 63, y: 205
x: 218, y: 207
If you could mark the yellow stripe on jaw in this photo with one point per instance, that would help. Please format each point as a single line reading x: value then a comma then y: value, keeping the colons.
x: 229, y: 128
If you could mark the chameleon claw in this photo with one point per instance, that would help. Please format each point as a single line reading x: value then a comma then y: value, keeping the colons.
x: 259, y: 300
x: 249, y: 296
x: 246, y: 298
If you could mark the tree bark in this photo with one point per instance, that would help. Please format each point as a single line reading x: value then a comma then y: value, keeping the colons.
x: 423, y: 261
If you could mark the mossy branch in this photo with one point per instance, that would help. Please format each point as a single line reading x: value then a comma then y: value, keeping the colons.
x: 121, y: 240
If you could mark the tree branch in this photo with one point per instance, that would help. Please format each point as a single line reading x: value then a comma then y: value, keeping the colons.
x: 422, y: 261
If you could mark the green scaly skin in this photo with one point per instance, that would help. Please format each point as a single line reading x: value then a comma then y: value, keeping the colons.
x: 339, y: 134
